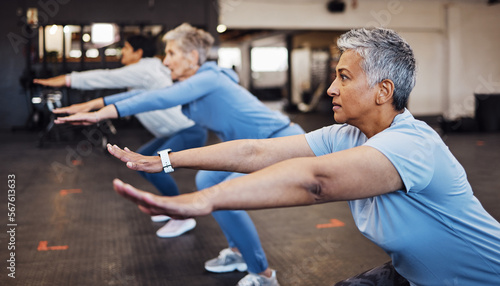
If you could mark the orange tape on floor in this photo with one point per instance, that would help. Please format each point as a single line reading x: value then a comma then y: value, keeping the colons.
x: 42, y: 246
x: 70, y: 191
x: 333, y: 223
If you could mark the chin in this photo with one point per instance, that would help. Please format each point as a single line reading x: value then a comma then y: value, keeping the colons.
x: 338, y: 119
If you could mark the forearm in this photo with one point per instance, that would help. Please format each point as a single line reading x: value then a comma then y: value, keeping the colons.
x: 235, y: 156
x: 95, y: 104
x: 107, y: 112
x: 281, y: 185
x: 242, y: 156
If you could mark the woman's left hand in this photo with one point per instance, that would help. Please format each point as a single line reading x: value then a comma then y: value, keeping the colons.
x: 177, y: 207
x: 84, y: 118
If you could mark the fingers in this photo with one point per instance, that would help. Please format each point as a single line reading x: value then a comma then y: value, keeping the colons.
x: 41, y: 81
x: 125, y: 155
x: 127, y: 191
x: 146, y: 201
x: 61, y: 110
x: 77, y: 119
x: 136, y: 161
x: 62, y: 120
x: 118, y: 153
x: 133, y: 166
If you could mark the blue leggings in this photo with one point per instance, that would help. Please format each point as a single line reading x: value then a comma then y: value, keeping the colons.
x: 192, y: 137
x: 237, y: 226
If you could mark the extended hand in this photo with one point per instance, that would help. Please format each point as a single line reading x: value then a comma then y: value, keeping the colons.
x: 136, y: 161
x: 72, y: 109
x: 57, y: 81
x: 86, y: 118
x: 178, y: 207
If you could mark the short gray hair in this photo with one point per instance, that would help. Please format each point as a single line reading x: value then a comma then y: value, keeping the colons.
x: 385, y: 56
x: 190, y: 38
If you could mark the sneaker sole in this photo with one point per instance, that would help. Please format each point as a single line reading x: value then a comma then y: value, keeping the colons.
x: 161, y: 219
x: 241, y: 267
x: 188, y: 228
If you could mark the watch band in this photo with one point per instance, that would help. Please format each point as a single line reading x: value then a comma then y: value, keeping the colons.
x: 165, y: 160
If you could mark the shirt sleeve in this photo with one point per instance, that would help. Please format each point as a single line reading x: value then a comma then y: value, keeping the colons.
x: 334, y: 138
x: 125, y: 77
x: 180, y: 93
x: 411, y: 153
x: 319, y: 141
x: 112, y: 99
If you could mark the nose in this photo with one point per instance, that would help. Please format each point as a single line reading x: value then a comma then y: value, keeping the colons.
x: 333, y: 89
x: 166, y: 61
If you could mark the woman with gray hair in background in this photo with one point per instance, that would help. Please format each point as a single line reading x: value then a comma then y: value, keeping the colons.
x: 211, y: 97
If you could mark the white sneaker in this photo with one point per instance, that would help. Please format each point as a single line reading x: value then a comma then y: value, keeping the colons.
x: 176, y: 227
x: 227, y: 261
x: 259, y: 280
x: 160, y: 218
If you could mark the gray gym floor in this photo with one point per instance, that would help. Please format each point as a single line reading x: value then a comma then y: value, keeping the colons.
x: 70, y: 228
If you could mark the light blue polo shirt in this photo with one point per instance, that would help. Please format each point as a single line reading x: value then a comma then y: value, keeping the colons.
x: 436, y: 231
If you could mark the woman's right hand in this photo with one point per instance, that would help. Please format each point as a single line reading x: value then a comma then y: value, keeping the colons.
x: 136, y: 161
x: 93, y: 104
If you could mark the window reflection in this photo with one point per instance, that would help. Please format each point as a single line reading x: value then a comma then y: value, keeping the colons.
x: 93, y: 42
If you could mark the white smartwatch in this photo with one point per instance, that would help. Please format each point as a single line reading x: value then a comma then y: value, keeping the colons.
x: 165, y: 160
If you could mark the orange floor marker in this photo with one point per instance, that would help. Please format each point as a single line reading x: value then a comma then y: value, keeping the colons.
x: 70, y: 191
x: 42, y: 246
x: 333, y: 223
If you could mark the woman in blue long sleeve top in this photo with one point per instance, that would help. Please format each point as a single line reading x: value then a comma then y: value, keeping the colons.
x: 211, y: 97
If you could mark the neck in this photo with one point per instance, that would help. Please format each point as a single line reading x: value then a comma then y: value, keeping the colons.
x: 132, y: 62
x: 189, y: 73
x: 376, y: 124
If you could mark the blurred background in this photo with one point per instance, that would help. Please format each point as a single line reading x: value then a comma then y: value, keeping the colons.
x: 282, y: 49
x: 74, y: 230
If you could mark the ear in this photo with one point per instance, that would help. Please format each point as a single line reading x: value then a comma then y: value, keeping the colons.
x: 385, y: 92
x: 194, y: 57
x: 138, y: 54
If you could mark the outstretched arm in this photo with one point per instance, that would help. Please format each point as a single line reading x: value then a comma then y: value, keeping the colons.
x: 356, y: 173
x: 243, y: 156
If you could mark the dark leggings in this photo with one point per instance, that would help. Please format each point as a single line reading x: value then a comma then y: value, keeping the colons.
x: 385, y: 275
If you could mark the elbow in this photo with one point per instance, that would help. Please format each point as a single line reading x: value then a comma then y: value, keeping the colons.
x: 249, y: 149
x: 316, y: 191
x: 321, y: 189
